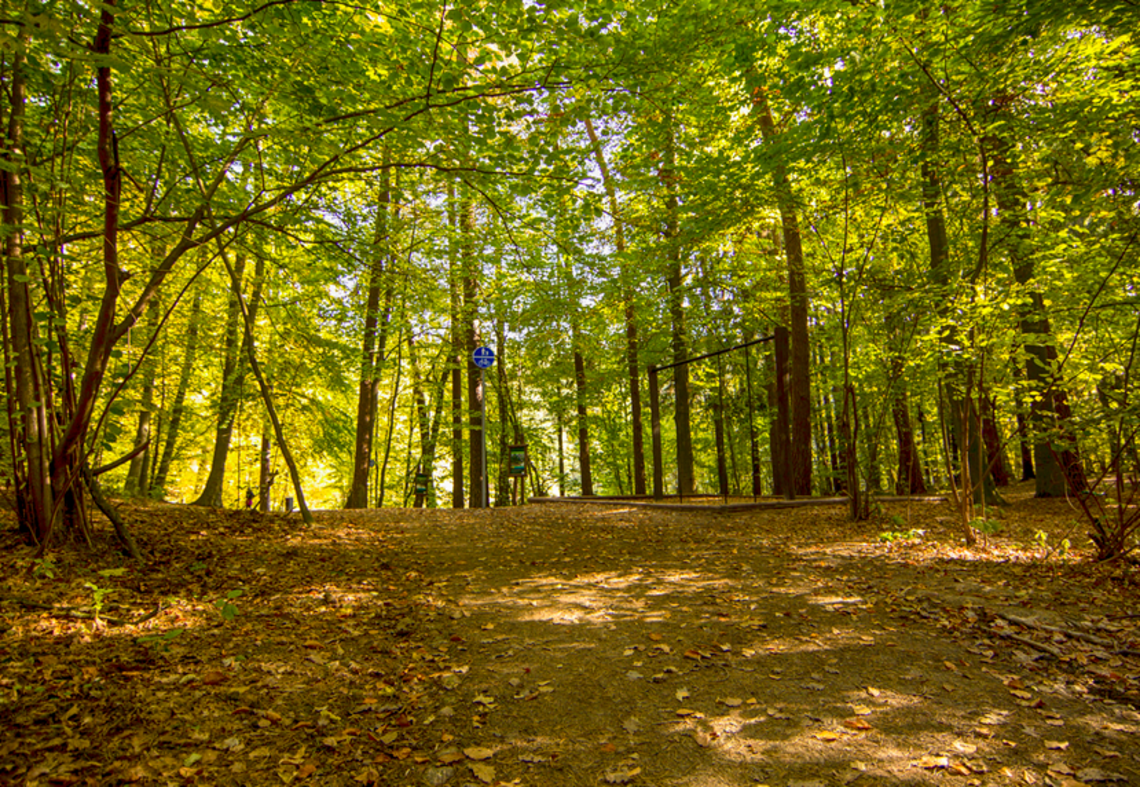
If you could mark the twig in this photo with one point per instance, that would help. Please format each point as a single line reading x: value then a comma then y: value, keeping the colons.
x: 1104, y: 643
x: 1055, y: 652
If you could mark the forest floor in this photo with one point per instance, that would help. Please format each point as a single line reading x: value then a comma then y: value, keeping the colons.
x: 567, y: 644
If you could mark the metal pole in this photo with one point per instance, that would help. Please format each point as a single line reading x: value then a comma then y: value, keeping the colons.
x: 483, y: 434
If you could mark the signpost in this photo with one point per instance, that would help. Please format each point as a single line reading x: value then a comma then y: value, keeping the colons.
x: 483, y: 358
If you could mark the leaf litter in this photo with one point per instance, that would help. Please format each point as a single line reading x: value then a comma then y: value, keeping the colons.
x: 495, y: 647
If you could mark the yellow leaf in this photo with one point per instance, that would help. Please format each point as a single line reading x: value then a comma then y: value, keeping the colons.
x: 827, y: 735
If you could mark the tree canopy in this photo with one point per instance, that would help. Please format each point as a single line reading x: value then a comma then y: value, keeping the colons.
x: 251, y: 246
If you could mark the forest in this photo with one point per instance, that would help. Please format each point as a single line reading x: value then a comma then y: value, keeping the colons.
x: 250, y: 248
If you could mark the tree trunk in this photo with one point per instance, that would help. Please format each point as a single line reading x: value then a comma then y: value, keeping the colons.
x: 475, y: 393
x: 382, y: 486
x: 909, y: 479
x: 503, y: 485
x: 999, y: 468
x: 455, y: 278
x: 372, y: 354
x: 247, y: 319
x: 1057, y: 457
x: 34, y: 492
x: 799, y: 393
x: 265, y: 473
x: 631, y: 339
x: 583, y: 425
x: 178, y: 406
x: 137, y: 482
x: 675, y: 282
x: 233, y: 378
x: 781, y: 427
x: 959, y: 403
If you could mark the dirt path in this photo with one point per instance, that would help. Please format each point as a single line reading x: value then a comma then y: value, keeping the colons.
x: 570, y: 645
x: 585, y: 645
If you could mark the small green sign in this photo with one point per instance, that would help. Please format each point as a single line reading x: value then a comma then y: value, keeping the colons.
x: 517, y: 463
x: 422, y: 481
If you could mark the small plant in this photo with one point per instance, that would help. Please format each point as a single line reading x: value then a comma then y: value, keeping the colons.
x: 1041, y: 539
x: 226, y: 606
x: 991, y: 527
x: 891, y: 536
x: 98, y: 594
x: 43, y: 568
x: 160, y: 641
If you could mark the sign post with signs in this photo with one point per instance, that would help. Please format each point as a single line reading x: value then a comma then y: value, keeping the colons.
x: 516, y: 469
x: 484, y: 359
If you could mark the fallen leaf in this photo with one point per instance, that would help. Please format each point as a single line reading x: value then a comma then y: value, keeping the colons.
x: 1057, y: 745
x: 732, y: 702
x: 856, y: 724
x: 1089, y: 775
x: 930, y: 762
x: 827, y: 735
x: 621, y: 775
x: 483, y: 772
x: 681, y: 694
x: 478, y: 753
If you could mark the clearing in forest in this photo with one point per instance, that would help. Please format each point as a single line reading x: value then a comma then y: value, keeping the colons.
x: 571, y: 645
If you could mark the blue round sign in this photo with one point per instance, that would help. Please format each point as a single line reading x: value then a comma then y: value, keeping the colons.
x: 483, y: 357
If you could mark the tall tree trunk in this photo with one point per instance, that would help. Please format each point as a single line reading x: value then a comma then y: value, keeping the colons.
x: 374, y: 341
x: 33, y: 487
x: 455, y: 278
x: 178, y: 406
x: 999, y: 468
x: 782, y: 426
x: 1055, y: 452
x: 959, y: 410
x: 475, y: 393
x: 382, y: 485
x: 799, y: 393
x: 503, y: 485
x: 909, y: 478
x: 265, y: 472
x: 675, y: 282
x: 233, y: 378
x: 428, y: 425
x: 631, y: 338
x: 136, y: 482
x: 583, y: 424
x: 248, y: 316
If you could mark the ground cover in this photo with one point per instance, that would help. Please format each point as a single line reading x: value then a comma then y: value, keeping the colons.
x: 573, y: 645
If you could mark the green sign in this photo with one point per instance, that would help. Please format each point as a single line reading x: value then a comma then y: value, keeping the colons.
x: 422, y: 481
x: 517, y: 463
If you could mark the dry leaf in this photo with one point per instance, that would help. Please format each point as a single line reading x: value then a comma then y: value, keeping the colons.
x: 827, y: 735
x: 478, y: 753
x: 930, y: 762
x: 483, y: 772
x: 856, y: 724
x: 1057, y: 745
x: 621, y: 775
